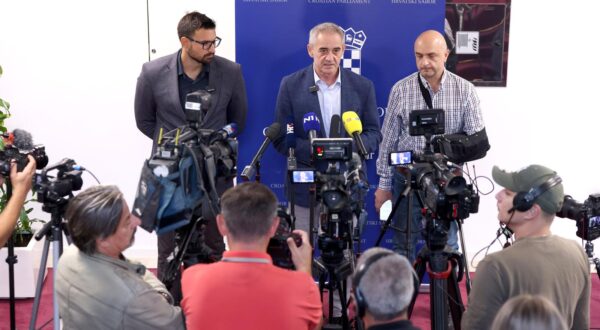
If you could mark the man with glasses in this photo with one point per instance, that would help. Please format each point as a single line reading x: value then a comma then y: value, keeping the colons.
x: 160, y: 101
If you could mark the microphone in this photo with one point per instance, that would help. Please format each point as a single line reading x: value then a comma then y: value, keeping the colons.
x: 335, y: 129
x: 227, y: 131
x: 311, y: 125
x: 270, y: 133
x: 313, y: 88
x: 353, y: 126
x: 290, y: 142
x: 22, y: 139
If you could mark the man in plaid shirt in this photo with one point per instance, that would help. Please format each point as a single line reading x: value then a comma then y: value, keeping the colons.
x: 456, y: 96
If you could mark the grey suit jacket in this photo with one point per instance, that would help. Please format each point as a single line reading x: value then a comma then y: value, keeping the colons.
x: 296, y: 98
x: 157, y: 96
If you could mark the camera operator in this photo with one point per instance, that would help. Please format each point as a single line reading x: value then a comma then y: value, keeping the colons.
x: 432, y: 87
x: 97, y: 286
x: 244, y: 289
x: 538, y: 263
x: 383, y: 286
x: 21, y: 185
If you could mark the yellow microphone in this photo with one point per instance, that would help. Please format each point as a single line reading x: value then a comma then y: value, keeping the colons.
x: 353, y: 126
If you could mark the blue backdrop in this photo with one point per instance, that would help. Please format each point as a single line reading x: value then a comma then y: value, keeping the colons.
x: 271, y: 39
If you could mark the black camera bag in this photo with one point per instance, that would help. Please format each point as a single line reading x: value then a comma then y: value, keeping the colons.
x: 460, y: 147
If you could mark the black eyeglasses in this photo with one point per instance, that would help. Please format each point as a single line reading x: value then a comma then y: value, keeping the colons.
x: 207, y: 44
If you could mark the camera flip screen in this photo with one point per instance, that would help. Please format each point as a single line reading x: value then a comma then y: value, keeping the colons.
x: 401, y: 158
x: 303, y: 176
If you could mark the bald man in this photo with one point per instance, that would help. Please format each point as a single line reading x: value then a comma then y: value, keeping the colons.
x: 447, y: 91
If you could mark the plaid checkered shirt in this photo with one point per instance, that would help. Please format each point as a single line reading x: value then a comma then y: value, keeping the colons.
x: 456, y: 96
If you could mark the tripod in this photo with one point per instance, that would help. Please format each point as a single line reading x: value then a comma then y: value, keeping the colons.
x: 52, y: 232
x: 444, y: 292
x: 439, y: 261
x: 334, y: 268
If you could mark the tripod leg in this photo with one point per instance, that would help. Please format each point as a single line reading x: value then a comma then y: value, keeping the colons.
x: 342, y: 292
x: 455, y: 300
x: 438, y: 304
x: 420, y: 272
x: 38, y: 286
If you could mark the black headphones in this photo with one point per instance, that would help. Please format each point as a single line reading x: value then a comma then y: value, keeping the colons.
x: 523, y: 201
x: 361, y: 302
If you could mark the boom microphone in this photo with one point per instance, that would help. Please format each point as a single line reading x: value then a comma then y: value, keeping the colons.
x: 270, y: 133
x: 353, y: 126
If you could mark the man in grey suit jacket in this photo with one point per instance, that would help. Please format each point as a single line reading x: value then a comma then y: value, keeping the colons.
x: 325, y: 89
x: 160, y: 97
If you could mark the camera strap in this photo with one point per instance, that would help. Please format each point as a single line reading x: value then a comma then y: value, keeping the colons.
x: 425, y: 92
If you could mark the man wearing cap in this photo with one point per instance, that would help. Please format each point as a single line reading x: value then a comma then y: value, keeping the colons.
x: 538, y: 262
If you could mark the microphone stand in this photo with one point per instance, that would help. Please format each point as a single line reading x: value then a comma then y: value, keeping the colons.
x: 11, y: 260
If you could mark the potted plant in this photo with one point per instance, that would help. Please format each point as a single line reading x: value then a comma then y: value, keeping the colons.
x: 27, y: 251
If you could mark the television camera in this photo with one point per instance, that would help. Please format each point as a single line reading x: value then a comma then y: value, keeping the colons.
x: 440, y: 186
x: 340, y: 192
x: 177, y: 187
x: 444, y: 196
x: 17, y: 146
x: 586, y: 215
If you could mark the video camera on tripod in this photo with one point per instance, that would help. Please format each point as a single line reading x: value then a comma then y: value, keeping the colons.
x: 443, y: 191
x: 586, y: 215
x: 180, y: 176
x: 337, y: 191
x: 67, y: 180
x: 178, y: 183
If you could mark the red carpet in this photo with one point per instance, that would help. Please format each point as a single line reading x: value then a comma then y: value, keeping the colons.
x: 420, y: 315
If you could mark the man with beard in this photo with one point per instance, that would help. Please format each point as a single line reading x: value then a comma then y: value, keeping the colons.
x: 160, y: 102
x: 98, y: 287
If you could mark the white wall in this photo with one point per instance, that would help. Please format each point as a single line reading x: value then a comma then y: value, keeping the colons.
x: 70, y: 69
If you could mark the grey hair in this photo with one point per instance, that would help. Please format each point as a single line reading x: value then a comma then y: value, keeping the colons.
x: 387, y: 285
x: 529, y: 312
x: 326, y: 27
x: 94, y: 213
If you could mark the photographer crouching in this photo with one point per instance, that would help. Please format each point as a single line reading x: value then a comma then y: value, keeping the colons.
x: 244, y: 289
x: 21, y: 185
x: 98, y: 287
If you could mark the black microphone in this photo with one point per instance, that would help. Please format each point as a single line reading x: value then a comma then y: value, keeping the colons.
x: 313, y: 88
x: 270, y: 133
x: 290, y: 142
x: 335, y: 129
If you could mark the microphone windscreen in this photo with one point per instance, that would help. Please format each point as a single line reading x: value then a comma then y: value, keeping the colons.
x: 273, y: 131
x: 335, y: 129
x: 352, y: 122
x: 290, y: 136
x: 22, y: 139
x: 311, y: 122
